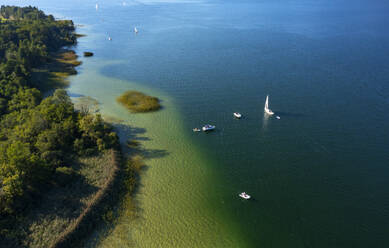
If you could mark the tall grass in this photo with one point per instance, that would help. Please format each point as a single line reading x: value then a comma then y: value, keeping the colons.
x: 65, y: 209
x: 54, y: 74
x: 115, y: 233
x: 91, y: 215
x: 137, y: 102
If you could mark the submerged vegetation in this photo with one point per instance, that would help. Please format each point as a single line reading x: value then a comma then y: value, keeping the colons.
x: 139, y: 102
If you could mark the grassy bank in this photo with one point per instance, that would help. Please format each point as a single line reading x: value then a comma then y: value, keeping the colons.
x: 102, y: 175
x: 54, y: 73
x: 113, y: 230
x: 67, y: 207
x: 138, y: 102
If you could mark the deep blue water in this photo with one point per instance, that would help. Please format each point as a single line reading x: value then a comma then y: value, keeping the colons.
x: 319, y: 175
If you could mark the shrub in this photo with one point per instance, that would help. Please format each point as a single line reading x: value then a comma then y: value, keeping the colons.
x: 88, y: 54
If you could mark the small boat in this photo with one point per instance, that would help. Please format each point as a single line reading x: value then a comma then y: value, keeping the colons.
x: 97, y: 6
x: 208, y: 128
x: 135, y: 30
x: 267, y: 110
x: 278, y: 117
x: 244, y: 195
x: 196, y: 129
x: 109, y: 38
x: 237, y: 115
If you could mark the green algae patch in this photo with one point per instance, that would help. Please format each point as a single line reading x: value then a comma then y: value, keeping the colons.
x: 138, y: 102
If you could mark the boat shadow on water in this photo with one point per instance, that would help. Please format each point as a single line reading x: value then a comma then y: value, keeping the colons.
x: 289, y: 114
x: 251, y: 200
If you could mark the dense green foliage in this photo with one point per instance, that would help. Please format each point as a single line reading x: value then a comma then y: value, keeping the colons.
x: 139, y: 102
x: 30, y: 13
x: 38, y: 137
x: 27, y: 36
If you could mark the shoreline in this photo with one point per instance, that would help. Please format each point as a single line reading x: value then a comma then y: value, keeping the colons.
x: 90, y: 216
x: 175, y: 170
x: 82, y: 170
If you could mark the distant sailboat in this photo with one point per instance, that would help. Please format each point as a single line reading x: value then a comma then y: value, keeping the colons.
x: 267, y: 110
x: 109, y: 38
x: 135, y: 30
x: 97, y: 6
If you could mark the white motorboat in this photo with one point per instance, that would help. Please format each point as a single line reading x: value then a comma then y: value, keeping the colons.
x: 135, y: 30
x: 208, y: 128
x: 237, y: 115
x: 196, y: 129
x: 267, y: 110
x: 244, y: 195
x: 278, y: 117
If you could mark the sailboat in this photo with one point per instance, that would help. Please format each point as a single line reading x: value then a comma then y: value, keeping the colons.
x: 97, y: 6
x: 135, y: 30
x: 267, y: 110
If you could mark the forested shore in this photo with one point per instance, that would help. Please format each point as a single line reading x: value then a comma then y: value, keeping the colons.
x: 47, y: 147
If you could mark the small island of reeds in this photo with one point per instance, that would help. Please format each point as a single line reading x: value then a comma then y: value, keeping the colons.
x: 88, y: 54
x: 138, y: 102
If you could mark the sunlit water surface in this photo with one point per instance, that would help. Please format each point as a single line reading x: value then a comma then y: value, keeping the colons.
x: 319, y: 176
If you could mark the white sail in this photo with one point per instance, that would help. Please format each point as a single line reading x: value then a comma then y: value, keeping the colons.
x: 97, y: 6
x: 267, y: 110
x: 135, y: 30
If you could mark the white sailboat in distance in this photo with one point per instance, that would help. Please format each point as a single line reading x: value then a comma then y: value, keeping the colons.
x: 267, y: 110
x: 135, y: 30
x: 97, y: 6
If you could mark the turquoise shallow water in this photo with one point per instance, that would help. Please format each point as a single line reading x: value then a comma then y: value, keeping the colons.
x: 319, y: 175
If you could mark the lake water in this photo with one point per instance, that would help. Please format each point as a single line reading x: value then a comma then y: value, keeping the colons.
x: 319, y: 176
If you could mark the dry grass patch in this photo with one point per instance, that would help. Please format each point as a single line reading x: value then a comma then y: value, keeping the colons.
x: 67, y: 57
x: 54, y: 74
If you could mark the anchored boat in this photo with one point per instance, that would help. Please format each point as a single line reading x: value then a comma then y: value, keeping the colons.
x: 208, y: 128
x: 244, y: 196
x: 237, y: 115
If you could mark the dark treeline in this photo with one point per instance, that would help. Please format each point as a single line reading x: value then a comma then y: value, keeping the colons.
x: 39, y: 138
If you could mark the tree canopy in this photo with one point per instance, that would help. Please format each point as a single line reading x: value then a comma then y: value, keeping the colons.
x: 38, y: 135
